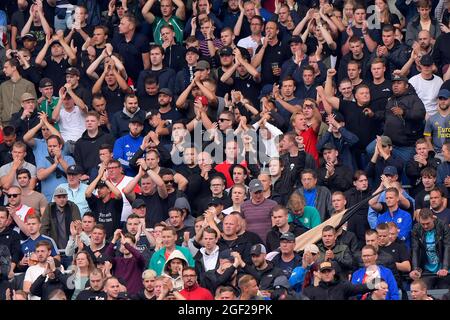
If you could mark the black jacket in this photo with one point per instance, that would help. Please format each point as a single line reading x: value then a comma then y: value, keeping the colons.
x: 418, y: 245
x: 358, y: 223
x: 273, y: 236
x: 213, y: 279
x: 406, y: 129
x: 396, y: 57
x: 335, y: 290
x: 11, y: 239
x: 265, y: 277
x: 86, y: 149
x: 413, y: 171
x: 341, y: 180
x: 241, y: 245
x: 43, y: 289
x: 24, y: 125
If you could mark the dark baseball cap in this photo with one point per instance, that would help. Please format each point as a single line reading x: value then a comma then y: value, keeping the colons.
x: 45, y: 82
x: 74, y: 169
x: 390, y: 171
x: 215, y: 201
x: 399, y: 78
x: 166, y: 91
x: 226, y: 51
x: 73, y: 71
x: 326, y: 265
x: 29, y: 36
x: 338, y: 116
x: 101, y: 184
x: 289, y: 236
x: 426, y: 60
x: 193, y: 50
x: 202, y: 65
x: 137, y: 119
x: 258, y: 249
x: 138, y: 203
x: 226, y: 254
x: 444, y: 93
x: 329, y: 146
x: 255, y: 185
x: 295, y: 39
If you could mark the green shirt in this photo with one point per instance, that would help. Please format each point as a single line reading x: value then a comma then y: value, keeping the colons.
x: 177, y: 24
x: 48, y: 108
x: 309, y: 219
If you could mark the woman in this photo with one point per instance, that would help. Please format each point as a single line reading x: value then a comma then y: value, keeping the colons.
x: 347, y: 12
x: 302, y: 214
x: 384, y: 16
x: 82, y: 267
x: 358, y: 223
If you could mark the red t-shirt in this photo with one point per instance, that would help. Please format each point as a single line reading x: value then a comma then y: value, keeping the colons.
x: 310, y: 141
x: 224, y: 168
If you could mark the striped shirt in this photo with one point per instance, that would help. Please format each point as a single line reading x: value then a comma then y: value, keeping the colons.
x: 258, y: 217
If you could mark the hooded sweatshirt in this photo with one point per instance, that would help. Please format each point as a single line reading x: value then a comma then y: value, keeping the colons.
x: 86, y: 149
x: 177, y: 280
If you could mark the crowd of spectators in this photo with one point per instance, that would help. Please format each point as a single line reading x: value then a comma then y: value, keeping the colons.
x: 177, y: 150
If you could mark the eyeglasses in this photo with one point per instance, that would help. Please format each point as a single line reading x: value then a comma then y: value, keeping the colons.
x: 367, y: 256
x: 308, y: 106
x: 169, y: 181
x: 189, y: 276
x: 61, y: 196
x: 13, y: 195
x: 223, y: 119
x: 326, y: 271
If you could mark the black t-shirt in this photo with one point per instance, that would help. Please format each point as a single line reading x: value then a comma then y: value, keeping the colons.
x: 78, y: 40
x: 398, y: 251
x: 273, y: 55
x: 222, y: 87
x: 56, y: 72
x: 108, y: 214
x: 114, y: 99
x: 422, y: 199
x: 84, y: 94
x: 148, y: 102
x: 155, y: 209
x: 358, y: 123
x: 444, y: 216
x: 180, y: 234
x: 90, y: 294
x: 379, y: 94
x: 249, y: 88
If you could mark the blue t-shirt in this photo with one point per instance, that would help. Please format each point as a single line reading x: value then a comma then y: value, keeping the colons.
x: 49, y: 185
x: 310, y: 197
x: 29, y: 245
x: 432, y: 264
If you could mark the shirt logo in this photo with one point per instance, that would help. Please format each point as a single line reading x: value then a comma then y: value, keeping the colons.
x: 399, y: 220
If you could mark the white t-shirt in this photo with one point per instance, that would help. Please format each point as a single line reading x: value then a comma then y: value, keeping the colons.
x: 427, y: 91
x: 72, y: 124
x: 31, y: 275
x: 126, y: 210
x: 248, y: 42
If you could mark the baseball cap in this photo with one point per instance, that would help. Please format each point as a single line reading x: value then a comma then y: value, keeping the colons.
x: 399, y: 78
x: 390, y: 171
x: 193, y: 50
x: 45, y: 82
x: 329, y: 146
x: 386, y: 141
x: 311, y: 248
x: 138, y: 203
x: 29, y: 36
x: 444, y: 93
x: 289, y: 236
x: 202, y: 65
x: 202, y: 99
x: 74, y: 169
x: 281, y: 282
x: 182, y: 203
x: 226, y: 51
x: 258, y: 249
x: 255, y: 186
x: 338, y: 116
x: 265, y: 91
x: 295, y: 39
x: 60, y: 191
x: 166, y: 91
x: 426, y: 60
x: 27, y: 96
x: 101, y: 184
x: 137, y: 119
x: 215, y: 201
x: 226, y: 254
x: 326, y: 265
x: 73, y: 71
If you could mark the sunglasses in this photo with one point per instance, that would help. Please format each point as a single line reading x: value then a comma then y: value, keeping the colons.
x: 169, y: 181
x: 13, y: 195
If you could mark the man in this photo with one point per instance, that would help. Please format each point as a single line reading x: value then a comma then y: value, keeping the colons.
x: 249, y: 288
x: 87, y: 148
x: 207, y: 258
x: 9, y: 240
x: 270, y: 53
x: 165, y: 109
x: 27, y: 117
x: 97, y: 245
x: 80, y: 234
x: 281, y: 226
x: 428, y: 183
x: 430, y: 245
x: 443, y: 170
x: 165, y: 76
x: 427, y: 85
x: 391, y: 212
x: 438, y: 204
x: 331, y: 251
x: 126, y: 146
x: 18, y: 211
x: 148, y: 281
x: 332, y: 288
x: 107, y: 205
x: 287, y: 259
x: 255, y: 38
x: 191, y: 290
x: 395, y: 53
x: 334, y: 175
x: 121, y: 119
x: 57, y: 218
x: 52, y: 169
x: 316, y: 196
x: 31, y: 198
x: 75, y: 188
x: 380, y: 87
x: 43, y: 252
x: 372, y: 271
x: 176, y: 219
x: 438, y: 122
x: 112, y: 287
x: 225, y: 292
x: 168, y: 17
x: 357, y: 53
x: 12, y: 89
x: 286, y: 101
x: 128, y: 40
x: 231, y: 240
x: 9, y: 137
x: 82, y: 29
x: 169, y: 236
x: 173, y: 53
x: 256, y: 211
x: 186, y: 75
x: 95, y: 290
x: 8, y: 171
x: 419, y: 291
